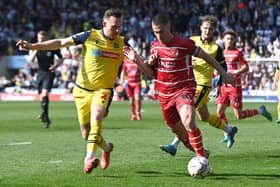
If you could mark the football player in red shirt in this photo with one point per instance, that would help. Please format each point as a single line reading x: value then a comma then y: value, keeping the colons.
x: 133, y: 87
x: 170, y: 63
x: 232, y: 94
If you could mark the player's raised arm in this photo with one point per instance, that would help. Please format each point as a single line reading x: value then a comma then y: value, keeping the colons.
x: 46, y: 45
x: 210, y: 60
x: 134, y: 57
x: 32, y: 55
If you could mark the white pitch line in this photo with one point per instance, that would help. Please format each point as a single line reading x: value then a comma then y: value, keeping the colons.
x: 20, y: 143
x: 55, y: 161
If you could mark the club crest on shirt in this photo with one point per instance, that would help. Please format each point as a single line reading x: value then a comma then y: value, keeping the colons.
x: 116, y: 45
x: 175, y: 53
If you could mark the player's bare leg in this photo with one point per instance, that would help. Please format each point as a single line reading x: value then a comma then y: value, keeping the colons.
x: 187, y: 114
x: 229, y: 131
x: 85, y: 130
x: 181, y: 133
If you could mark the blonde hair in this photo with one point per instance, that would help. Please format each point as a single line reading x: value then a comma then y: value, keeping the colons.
x: 210, y: 19
x: 115, y: 12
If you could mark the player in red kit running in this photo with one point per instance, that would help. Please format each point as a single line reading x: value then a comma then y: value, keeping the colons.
x: 229, y: 94
x: 170, y: 63
x: 133, y: 87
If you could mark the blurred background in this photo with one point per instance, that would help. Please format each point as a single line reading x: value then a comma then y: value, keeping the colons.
x: 257, y: 23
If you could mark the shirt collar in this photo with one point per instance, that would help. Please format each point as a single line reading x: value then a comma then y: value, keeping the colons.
x: 205, y: 41
x: 103, y: 34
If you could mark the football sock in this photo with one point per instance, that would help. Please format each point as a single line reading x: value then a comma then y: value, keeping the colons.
x: 175, y: 142
x: 182, y: 134
x: 249, y: 113
x: 95, y: 138
x: 106, y: 147
x: 132, y: 108
x: 228, y: 129
x: 90, y: 154
x: 138, y: 106
x: 45, y: 104
x: 214, y: 121
x: 223, y: 118
x: 195, y: 140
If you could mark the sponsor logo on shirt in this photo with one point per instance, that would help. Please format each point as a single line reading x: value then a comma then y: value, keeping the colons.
x: 104, y: 97
x: 105, y: 54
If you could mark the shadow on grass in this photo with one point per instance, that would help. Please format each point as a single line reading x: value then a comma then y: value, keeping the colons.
x: 111, y: 176
x: 159, y: 174
x: 222, y: 176
x: 215, y: 176
x: 273, y: 156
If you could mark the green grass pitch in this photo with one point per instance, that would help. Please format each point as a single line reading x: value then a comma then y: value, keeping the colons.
x: 31, y: 156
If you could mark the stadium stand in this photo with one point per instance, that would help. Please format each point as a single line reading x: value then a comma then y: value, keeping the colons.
x: 256, y: 21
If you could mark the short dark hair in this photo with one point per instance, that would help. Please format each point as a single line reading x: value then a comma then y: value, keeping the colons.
x: 210, y: 19
x: 231, y: 32
x: 161, y: 19
x: 115, y: 12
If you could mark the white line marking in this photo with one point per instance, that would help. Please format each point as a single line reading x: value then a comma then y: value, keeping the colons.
x: 20, y: 143
x: 55, y: 161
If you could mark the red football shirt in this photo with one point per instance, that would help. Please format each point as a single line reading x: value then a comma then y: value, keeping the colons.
x: 173, y: 70
x: 132, y: 71
x: 234, y: 60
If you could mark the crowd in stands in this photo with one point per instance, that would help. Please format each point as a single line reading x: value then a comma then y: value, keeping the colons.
x: 257, y: 23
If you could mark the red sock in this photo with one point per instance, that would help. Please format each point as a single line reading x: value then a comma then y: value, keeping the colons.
x: 132, y: 108
x: 249, y: 113
x: 138, y: 106
x: 195, y: 139
x: 224, y: 118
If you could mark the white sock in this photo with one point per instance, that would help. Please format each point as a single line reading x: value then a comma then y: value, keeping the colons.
x: 228, y: 128
x: 107, y: 148
x: 175, y: 142
x: 90, y: 154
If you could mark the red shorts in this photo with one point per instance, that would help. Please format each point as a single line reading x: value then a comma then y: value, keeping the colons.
x: 133, y: 89
x: 230, y: 95
x: 171, y: 107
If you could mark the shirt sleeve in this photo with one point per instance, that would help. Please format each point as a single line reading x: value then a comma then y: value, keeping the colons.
x: 220, y: 55
x: 241, y: 58
x: 124, y: 66
x: 58, y: 53
x: 80, y: 38
x: 192, y: 48
x: 126, y: 43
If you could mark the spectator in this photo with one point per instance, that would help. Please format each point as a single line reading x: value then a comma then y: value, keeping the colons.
x: 256, y: 20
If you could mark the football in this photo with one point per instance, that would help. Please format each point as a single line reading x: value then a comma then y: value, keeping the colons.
x: 199, y: 167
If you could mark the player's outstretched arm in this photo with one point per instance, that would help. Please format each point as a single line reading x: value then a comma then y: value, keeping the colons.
x: 227, y: 77
x: 276, y: 79
x: 243, y: 69
x: 46, y: 45
x: 134, y: 57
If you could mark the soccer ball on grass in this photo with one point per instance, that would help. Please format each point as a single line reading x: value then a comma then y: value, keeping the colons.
x: 199, y: 167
